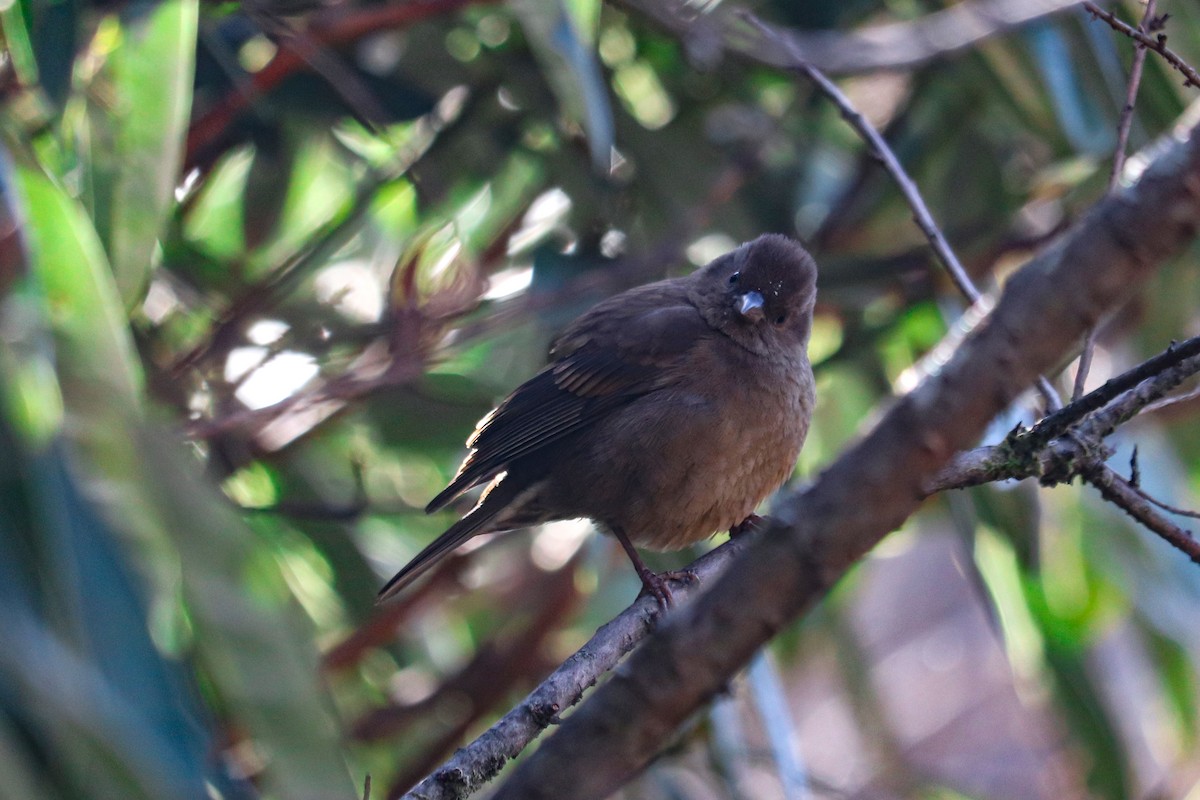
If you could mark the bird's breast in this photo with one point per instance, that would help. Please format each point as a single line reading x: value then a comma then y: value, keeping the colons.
x: 728, y: 442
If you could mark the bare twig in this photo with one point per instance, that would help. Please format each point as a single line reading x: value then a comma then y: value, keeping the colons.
x: 1050, y: 455
x: 328, y: 65
x: 1156, y: 43
x: 1085, y: 364
x: 1114, y: 178
x: 1167, y: 402
x: 1183, y: 512
x: 324, y: 241
x: 921, y: 213
x: 1055, y: 424
x: 1163, y: 376
x: 539, y: 607
x: 1118, y: 491
x: 1131, y: 91
x: 313, y: 252
x: 1082, y: 451
x: 771, y: 702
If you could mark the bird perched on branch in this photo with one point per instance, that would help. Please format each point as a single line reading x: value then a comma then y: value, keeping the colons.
x: 667, y: 413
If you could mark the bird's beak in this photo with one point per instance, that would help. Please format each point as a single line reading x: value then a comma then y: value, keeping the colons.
x: 750, y: 305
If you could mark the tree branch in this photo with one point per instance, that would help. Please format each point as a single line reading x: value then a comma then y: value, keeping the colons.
x: 912, y: 195
x: 334, y: 29
x: 819, y: 533
x: 477, y: 763
x: 1082, y: 452
x: 1114, y: 178
x: 1156, y: 43
x: 1056, y: 424
x: 1121, y: 493
x: 1028, y: 454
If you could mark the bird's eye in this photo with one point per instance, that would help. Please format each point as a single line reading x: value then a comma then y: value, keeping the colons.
x: 782, y: 318
x: 733, y: 279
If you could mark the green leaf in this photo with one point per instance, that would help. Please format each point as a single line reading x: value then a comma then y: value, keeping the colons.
x: 150, y: 73
x: 18, y: 44
x: 85, y: 309
x: 249, y: 633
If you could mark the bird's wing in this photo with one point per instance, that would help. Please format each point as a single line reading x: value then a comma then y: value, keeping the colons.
x: 599, y: 364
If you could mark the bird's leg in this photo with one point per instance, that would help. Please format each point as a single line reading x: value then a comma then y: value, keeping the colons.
x: 652, y: 583
x: 745, y: 526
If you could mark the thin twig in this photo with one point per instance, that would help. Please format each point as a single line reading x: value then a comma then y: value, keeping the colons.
x: 921, y: 213
x: 778, y: 726
x: 313, y: 252
x: 1156, y: 43
x: 1083, y: 452
x: 1046, y: 451
x: 1167, y: 402
x: 1119, y: 492
x: 328, y: 65
x: 1183, y: 512
x: 1131, y: 91
x: 1114, y: 178
x: 1055, y: 424
x: 1085, y: 364
x: 1163, y: 377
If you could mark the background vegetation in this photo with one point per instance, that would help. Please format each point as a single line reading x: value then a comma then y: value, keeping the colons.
x: 264, y: 264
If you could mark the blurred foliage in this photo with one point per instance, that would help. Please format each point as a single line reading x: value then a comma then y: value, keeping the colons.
x: 265, y: 264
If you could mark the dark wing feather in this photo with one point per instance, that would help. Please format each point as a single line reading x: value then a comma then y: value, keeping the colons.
x: 600, y: 363
x: 479, y: 519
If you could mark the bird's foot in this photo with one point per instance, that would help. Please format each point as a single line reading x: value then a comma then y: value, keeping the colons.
x: 751, y: 523
x: 658, y: 584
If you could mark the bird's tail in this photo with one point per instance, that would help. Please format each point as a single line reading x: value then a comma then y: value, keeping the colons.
x: 481, y: 519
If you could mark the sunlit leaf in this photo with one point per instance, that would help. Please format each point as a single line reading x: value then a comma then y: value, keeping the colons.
x: 149, y: 75
x: 255, y: 646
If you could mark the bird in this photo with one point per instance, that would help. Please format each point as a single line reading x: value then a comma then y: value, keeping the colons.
x: 666, y: 414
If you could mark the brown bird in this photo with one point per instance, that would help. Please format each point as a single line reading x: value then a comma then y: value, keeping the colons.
x: 667, y: 413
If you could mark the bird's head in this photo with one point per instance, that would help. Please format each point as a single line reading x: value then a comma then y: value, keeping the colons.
x: 761, y: 295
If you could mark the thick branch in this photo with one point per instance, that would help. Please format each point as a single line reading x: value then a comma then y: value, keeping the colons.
x: 819, y: 533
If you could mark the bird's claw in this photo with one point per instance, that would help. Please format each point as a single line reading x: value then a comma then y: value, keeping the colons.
x: 751, y: 523
x: 658, y: 584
